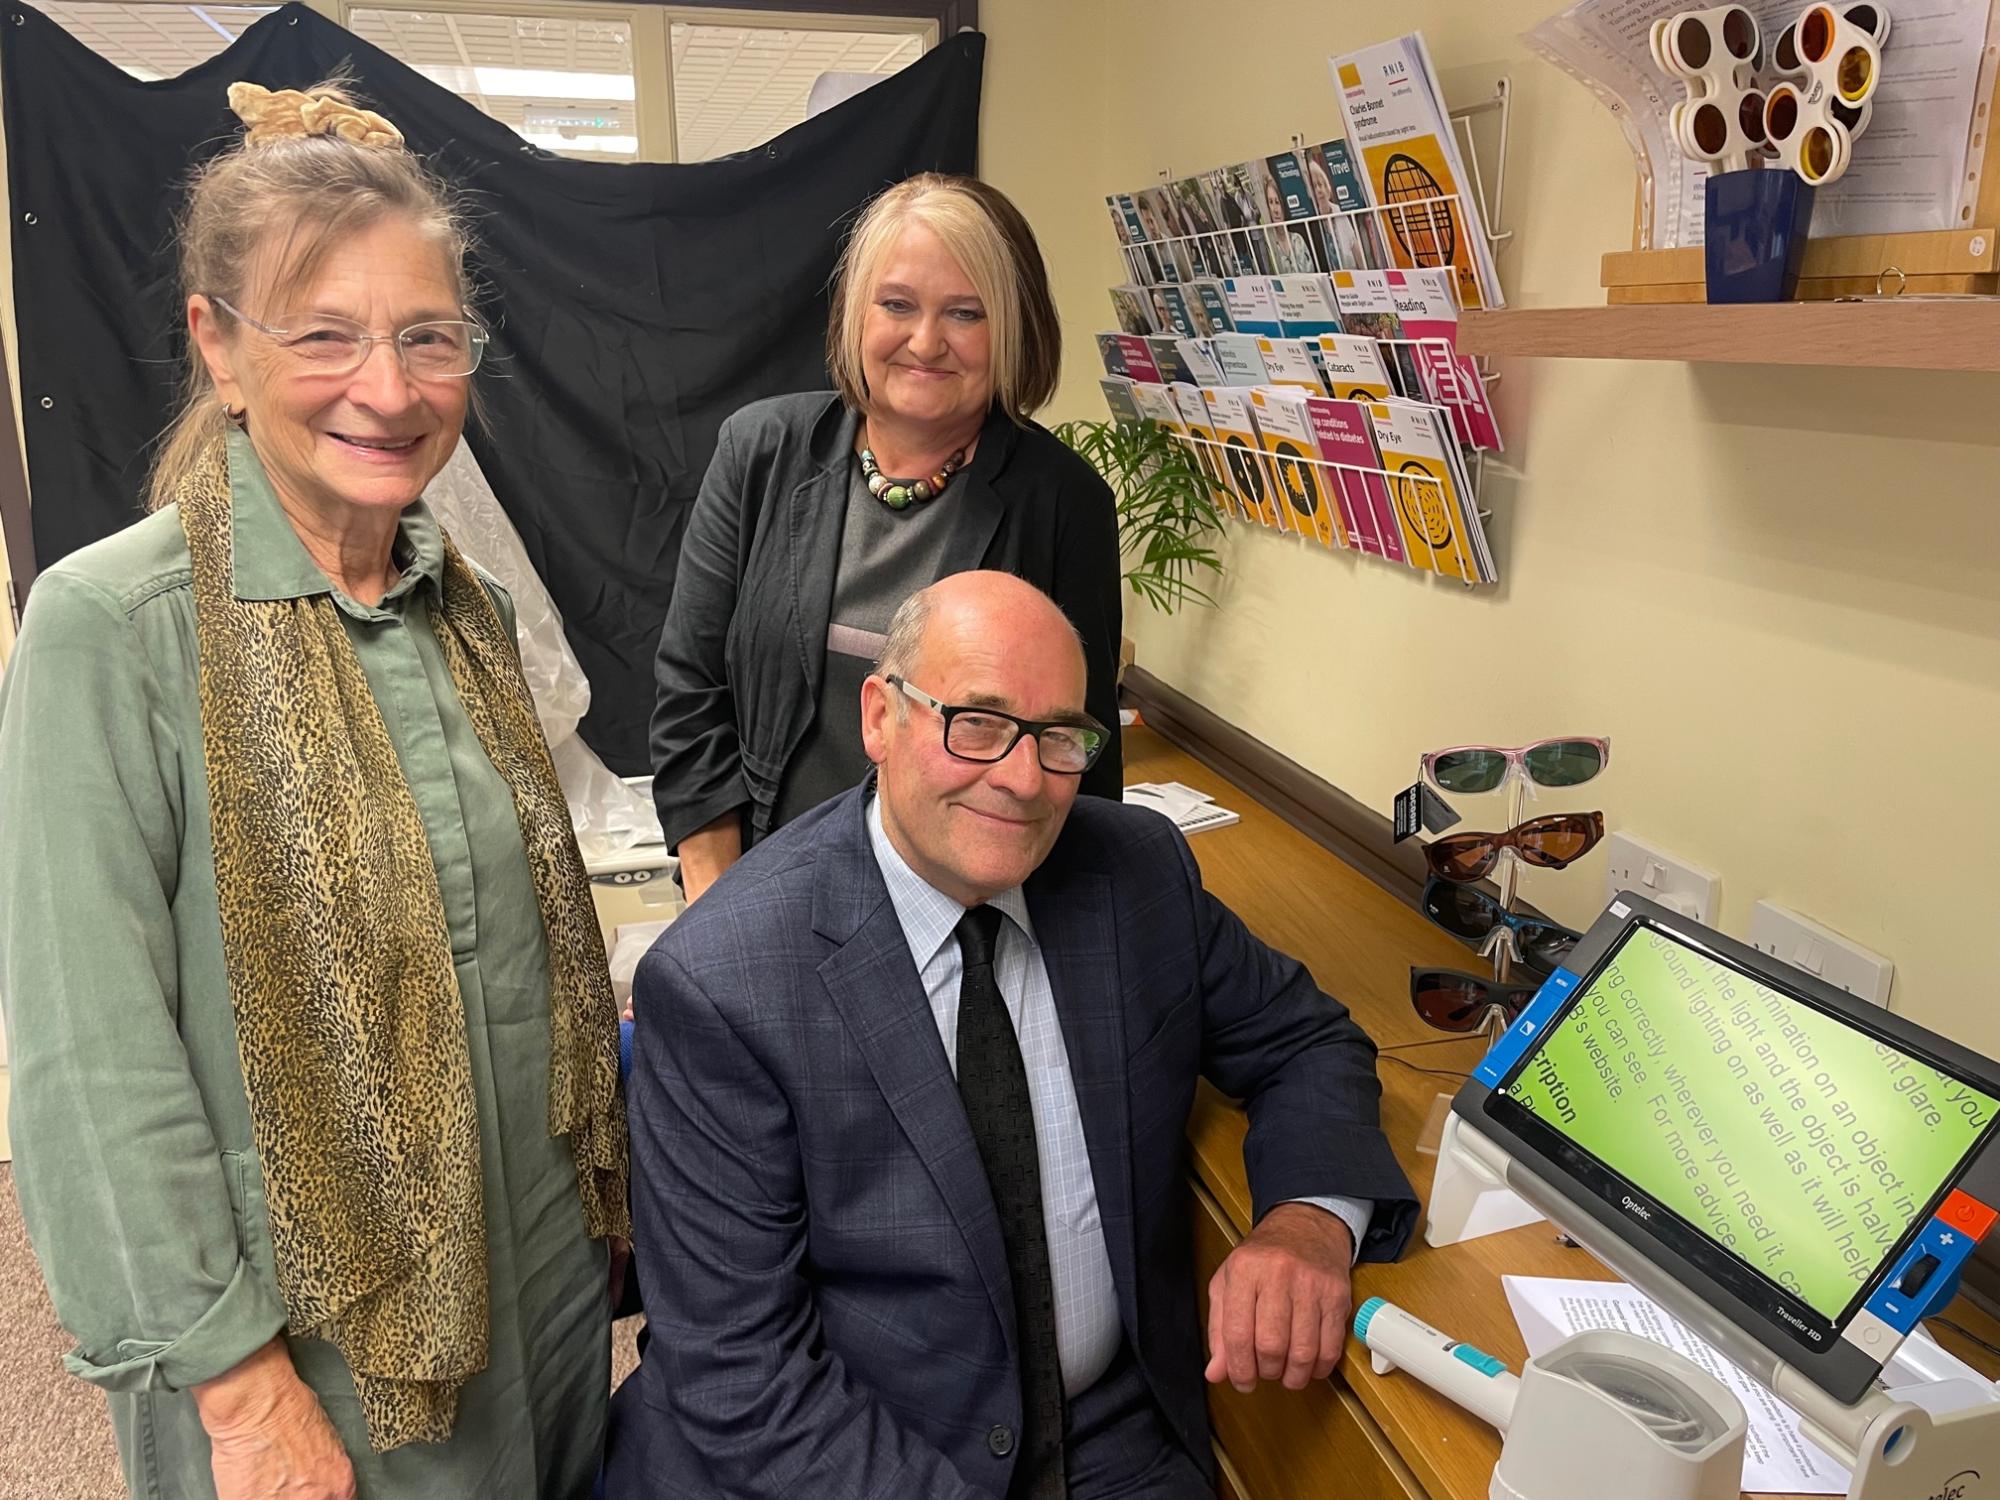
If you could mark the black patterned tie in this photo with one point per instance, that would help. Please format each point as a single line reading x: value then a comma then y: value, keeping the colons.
x: 994, y: 1084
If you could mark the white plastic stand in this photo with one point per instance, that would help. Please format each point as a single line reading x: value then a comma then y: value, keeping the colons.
x: 1468, y: 1200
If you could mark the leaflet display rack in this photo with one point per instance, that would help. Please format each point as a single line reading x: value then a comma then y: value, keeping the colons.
x: 1420, y: 228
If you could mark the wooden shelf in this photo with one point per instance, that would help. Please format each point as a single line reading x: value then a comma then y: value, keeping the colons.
x: 1910, y: 335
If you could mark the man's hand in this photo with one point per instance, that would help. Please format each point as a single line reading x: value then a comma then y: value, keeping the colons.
x: 268, y: 1437
x: 1278, y: 1305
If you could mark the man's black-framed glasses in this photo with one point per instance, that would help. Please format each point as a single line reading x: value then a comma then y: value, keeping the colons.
x: 1066, y: 747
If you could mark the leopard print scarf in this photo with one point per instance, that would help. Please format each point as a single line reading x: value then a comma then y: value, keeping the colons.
x: 348, y: 1016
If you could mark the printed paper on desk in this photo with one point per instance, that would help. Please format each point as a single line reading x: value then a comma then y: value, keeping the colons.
x: 1776, y: 1455
x: 1191, y: 811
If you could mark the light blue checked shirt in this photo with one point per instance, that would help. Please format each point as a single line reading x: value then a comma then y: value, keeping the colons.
x: 1087, y: 1329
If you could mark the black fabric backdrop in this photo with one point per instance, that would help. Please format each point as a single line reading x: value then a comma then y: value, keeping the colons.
x: 634, y: 306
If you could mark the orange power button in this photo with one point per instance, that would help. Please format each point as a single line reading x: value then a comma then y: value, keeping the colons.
x: 1968, y: 1214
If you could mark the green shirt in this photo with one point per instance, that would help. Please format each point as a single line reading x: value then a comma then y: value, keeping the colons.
x: 136, y: 1165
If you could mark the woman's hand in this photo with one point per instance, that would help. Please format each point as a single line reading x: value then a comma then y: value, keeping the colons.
x: 708, y: 851
x: 268, y: 1437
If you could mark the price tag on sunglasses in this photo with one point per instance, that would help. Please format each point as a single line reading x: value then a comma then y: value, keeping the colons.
x: 1417, y: 806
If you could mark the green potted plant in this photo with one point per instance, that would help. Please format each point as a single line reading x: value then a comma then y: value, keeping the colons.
x: 1166, y: 516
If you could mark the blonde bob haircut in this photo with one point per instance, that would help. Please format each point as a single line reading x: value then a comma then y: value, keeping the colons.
x: 981, y: 230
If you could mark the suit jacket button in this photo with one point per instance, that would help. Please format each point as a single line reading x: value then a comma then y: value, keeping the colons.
x: 1000, y: 1441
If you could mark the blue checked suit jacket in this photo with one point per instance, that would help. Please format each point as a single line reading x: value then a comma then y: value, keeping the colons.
x: 823, y: 1272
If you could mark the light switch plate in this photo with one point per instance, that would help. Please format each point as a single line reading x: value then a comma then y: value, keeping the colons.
x: 1632, y: 864
x: 1821, y: 952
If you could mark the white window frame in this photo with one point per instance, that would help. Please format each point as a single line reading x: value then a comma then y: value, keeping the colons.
x: 651, y: 32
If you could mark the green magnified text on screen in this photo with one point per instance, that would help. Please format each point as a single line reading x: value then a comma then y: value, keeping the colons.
x: 1799, y: 1144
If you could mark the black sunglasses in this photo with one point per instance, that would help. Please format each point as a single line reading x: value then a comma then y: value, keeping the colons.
x: 1469, y: 914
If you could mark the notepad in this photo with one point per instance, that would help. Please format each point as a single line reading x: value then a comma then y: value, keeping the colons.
x: 1191, y: 811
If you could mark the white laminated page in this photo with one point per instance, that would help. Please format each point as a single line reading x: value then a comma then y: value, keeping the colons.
x: 1908, y: 167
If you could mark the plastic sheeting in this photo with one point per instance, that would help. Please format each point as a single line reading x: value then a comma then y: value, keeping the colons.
x: 608, y: 815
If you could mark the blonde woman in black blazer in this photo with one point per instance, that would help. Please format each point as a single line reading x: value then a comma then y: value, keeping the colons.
x: 821, y: 512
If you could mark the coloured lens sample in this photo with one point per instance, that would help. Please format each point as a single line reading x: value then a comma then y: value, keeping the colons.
x: 1797, y: 1143
x: 1564, y: 762
x: 1470, y: 770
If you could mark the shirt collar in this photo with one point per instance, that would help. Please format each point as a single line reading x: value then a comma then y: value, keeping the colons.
x: 268, y: 561
x: 928, y: 916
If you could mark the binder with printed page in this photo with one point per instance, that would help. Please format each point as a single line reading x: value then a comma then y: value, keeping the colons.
x: 1397, y: 122
x: 1286, y: 433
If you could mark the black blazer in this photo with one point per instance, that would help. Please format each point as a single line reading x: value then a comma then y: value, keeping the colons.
x: 831, y: 1309
x: 744, y: 645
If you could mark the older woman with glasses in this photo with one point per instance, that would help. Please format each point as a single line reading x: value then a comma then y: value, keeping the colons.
x: 315, y: 1096
x: 822, y: 512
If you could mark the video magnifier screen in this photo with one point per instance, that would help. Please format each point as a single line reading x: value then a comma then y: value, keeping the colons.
x: 1790, y: 1139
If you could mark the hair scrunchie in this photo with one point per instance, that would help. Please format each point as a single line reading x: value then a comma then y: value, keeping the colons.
x: 288, y: 114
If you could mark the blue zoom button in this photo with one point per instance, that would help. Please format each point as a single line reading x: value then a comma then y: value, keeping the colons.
x: 1517, y: 1038
x: 1479, y: 1359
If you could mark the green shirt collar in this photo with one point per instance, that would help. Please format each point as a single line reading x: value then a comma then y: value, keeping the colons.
x: 270, y: 562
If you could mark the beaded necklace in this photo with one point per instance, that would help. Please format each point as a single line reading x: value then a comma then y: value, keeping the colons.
x: 899, y: 494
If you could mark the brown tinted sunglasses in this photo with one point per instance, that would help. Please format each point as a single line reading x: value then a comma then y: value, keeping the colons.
x: 1550, y: 842
x: 1454, y: 1001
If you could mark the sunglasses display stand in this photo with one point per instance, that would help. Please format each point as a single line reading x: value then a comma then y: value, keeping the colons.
x: 1466, y: 1201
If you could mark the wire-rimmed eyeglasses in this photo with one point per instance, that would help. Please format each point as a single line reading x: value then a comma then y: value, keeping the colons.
x: 1066, y: 747
x: 323, y: 344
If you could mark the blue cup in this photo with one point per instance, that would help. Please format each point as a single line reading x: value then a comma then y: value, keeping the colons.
x: 1756, y: 234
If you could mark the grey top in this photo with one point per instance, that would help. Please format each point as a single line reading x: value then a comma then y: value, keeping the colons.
x: 885, y: 556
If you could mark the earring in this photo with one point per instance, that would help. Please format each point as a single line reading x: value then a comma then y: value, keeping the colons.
x: 233, y: 415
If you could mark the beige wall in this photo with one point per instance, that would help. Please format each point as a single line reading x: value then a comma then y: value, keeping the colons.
x: 1774, y: 588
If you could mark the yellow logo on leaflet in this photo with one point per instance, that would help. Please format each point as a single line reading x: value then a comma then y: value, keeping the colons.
x: 1350, y: 76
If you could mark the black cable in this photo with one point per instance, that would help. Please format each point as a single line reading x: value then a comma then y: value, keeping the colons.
x: 1434, y: 1072
x: 1436, y: 1041
x: 1966, y: 1333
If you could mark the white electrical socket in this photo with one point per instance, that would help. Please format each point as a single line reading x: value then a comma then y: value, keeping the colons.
x: 1632, y: 864
x: 1821, y: 952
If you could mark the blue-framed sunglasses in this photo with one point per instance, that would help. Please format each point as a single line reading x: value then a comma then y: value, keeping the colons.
x: 1470, y: 915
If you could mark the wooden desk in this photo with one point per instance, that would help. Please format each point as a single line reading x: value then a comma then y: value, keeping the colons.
x: 1363, y: 1435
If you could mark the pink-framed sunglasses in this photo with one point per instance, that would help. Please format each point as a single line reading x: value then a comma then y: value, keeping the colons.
x: 1481, y: 768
